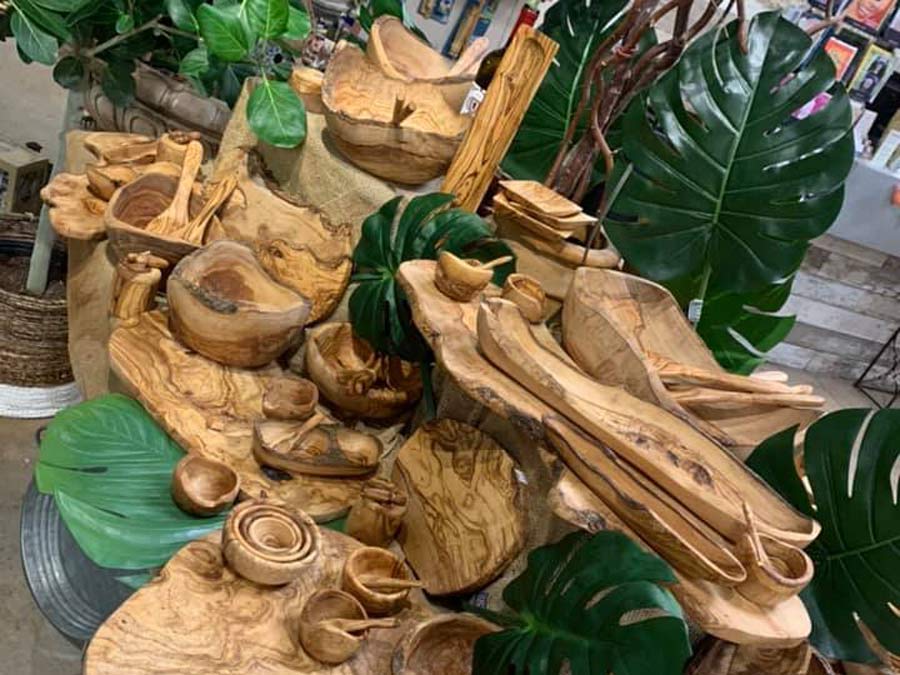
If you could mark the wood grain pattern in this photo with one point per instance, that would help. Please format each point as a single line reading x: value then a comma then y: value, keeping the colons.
x: 210, y: 409
x: 717, y: 657
x: 567, y: 253
x: 199, y: 617
x: 717, y: 610
x: 695, y: 472
x: 75, y: 213
x: 527, y: 59
x: 136, y: 284
x: 464, y: 523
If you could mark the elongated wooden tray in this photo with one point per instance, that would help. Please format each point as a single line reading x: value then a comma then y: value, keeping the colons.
x: 210, y: 409
x: 613, y: 322
x: 199, y: 617
x: 695, y: 471
x: 720, y: 611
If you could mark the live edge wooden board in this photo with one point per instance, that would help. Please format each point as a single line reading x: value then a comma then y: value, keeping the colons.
x: 210, y: 409
x: 199, y: 617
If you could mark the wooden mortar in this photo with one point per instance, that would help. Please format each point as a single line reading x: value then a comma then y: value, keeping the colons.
x: 460, y: 279
x: 290, y: 398
x: 203, y: 486
x: 326, y: 642
x: 269, y: 543
x: 367, y: 576
x: 528, y: 294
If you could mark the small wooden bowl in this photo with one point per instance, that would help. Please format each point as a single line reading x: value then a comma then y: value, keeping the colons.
x: 777, y: 572
x: 441, y: 646
x: 203, y: 486
x: 290, y: 398
x: 460, y: 279
x: 379, y: 562
x: 269, y: 543
x: 528, y: 294
x: 325, y: 643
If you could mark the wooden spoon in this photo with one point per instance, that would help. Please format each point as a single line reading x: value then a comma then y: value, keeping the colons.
x: 176, y: 217
x: 220, y: 193
x: 387, y: 584
x: 359, y: 625
x: 497, y: 262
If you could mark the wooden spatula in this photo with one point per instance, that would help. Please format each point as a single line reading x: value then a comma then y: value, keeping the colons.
x: 176, y: 217
x: 196, y: 229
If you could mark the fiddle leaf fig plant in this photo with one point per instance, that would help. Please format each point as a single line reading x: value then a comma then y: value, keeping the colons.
x: 109, y: 468
x: 850, y: 461
x: 594, y: 602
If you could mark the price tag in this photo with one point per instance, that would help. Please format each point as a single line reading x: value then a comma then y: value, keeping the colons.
x: 695, y: 309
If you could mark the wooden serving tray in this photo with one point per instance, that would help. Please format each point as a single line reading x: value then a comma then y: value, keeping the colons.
x: 199, y: 617
x: 210, y: 409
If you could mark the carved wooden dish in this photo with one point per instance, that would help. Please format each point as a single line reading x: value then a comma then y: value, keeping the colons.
x: 75, y: 212
x: 104, y: 180
x: 323, y: 640
x: 400, y: 131
x: 290, y: 398
x: 527, y: 294
x: 401, y: 55
x: 460, y: 279
x: 376, y: 517
x: 355, y: 378
x: 224, y: 306
x: 443, y: 645
x: 378, y: 579
x: 269, y: 543
x: 203, y: 486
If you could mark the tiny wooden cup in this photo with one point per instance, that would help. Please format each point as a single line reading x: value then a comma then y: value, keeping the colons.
x: 324, y: 642
x: 460, y: 279
x: 290, y: 398
x: 203, y: 486
x: 375, y: 562
x: 528, y: 294
x: 775, y: 573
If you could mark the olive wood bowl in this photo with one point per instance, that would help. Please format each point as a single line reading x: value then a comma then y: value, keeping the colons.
x: 327, y: 642
x: 203, y: 486
x: 459, y: 279
x: 290, y: 398
x: 528, y: 295
x: 368, y: 575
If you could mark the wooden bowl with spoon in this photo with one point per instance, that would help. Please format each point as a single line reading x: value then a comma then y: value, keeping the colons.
x: 378, y: 579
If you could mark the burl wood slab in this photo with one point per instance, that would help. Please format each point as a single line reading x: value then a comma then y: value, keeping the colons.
x: 210, y: 409
x: 199, y: 617
x: 463, y: 524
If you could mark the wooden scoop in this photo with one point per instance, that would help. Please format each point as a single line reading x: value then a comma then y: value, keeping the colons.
x: 220, y: 193
x: 360, y: 625
x: 176, y: 217
x: 387, y: 584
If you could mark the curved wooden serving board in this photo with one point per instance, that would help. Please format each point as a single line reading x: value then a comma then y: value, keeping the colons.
x: 210, y: 409
x: 464, y: 522
x: 199, y: 617
x: 720, y: 611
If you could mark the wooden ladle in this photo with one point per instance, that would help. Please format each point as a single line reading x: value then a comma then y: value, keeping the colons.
x: 176, y: 217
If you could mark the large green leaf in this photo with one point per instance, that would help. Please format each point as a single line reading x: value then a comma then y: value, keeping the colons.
x: 182, y: 15
x: 594, y: 602
x: 739, y: 328
x: 298, y: 24
x: 851, y: 460
x: 48, y: 21
x: 276, y: 114
x: 224, y: 31
x: 32, y: 41
x: 109, y: 467
x: 725, y: 178
x: 579, y: 26
x: 118, y: 82
x: 267, y: 17
x: 69, y: 72
x: 379, y: 310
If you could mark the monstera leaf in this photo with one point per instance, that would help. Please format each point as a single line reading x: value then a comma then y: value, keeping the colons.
x: 851, y: 460
x: 727, y: 185
x: 109, y: 468
x: 379, y: 310
x: 739, y: 328
x: 593, y: 602
x: 579, y: 26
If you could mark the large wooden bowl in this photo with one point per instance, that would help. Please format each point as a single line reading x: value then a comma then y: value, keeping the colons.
x: 134, y: 205
x: 224, y: 306
x: 355, y: 378
x: 441, y: 646
x: 400, y: 131
x: 401, y: 55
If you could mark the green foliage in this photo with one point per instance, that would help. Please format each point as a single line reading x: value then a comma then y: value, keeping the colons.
x: 594, y: 602
x: 276, y: 114
x: 268, y: 18
x: 109, y: 467
x: 578, y: 27
x: 379, y: 309
x: 69, y: 72
x: 850, y: 459
x: 118, y: 82
x: 224, y: 32
x: 31, y: 40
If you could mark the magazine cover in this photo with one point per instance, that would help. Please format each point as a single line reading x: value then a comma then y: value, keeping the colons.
x: 874, y: 70
x: 869, y: 15
x: 842, y: 53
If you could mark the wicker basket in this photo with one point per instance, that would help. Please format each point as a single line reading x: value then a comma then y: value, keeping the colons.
x: 33, y: 331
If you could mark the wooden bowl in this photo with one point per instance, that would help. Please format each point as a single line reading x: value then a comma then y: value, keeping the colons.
x: 290, y: 398
x: 134, y: 205
x: 326, y: 450
x: 776, y: 571
x: 203, y: 486
x: 460, y: 279
x: 355, y: 378
x: 400, y: 131
x: 223, y: 305
x: 443, y: 645
x: 528, y: 294
x: 323, y: 642
x: 268, y: 543
x: 372, y: 561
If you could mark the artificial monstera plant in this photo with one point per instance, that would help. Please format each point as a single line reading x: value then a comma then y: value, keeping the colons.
x: 109, y: 468
x: 593, y: 603
x: 850, y: 461
x: 399, y: 231
x: 726, y: 183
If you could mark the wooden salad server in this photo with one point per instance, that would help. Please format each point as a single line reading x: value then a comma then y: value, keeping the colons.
x: 175, y: 218
x: 196, y: 229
